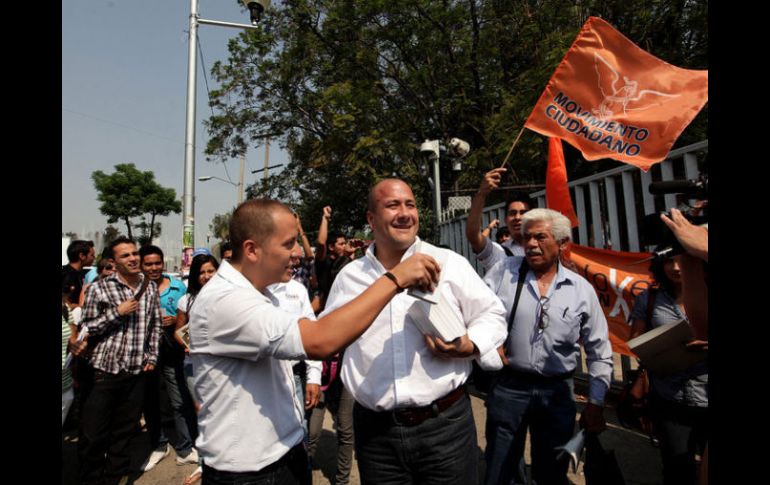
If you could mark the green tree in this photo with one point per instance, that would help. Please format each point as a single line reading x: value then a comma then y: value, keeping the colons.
x: 350, y: 88
x: 130, y: 193
x: 220, y: 226
x: 110, y: 234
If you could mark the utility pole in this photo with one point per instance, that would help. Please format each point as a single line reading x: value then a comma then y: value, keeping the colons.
x: 240, y: 182
x: 267, y: 158
x: 188, y: 198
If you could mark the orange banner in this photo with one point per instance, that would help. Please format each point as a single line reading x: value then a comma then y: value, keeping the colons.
x: 556, y: 189
x: 617, y: 282
x: 610, y: 99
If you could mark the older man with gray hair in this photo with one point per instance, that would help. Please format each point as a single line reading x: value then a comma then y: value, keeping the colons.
x: 549, y: 309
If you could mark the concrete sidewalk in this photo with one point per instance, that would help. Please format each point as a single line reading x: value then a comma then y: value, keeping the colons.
x: 638, y: 460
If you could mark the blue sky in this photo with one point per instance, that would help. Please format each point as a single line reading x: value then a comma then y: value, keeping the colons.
x: 124, y: 83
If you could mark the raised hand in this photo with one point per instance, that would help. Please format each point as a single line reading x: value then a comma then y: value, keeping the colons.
x: 491, y: 180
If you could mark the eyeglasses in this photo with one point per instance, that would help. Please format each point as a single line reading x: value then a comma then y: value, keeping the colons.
x: 542, y: 322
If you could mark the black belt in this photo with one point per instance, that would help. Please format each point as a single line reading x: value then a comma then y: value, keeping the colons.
x: 414, y: 416
x: 533, y: 378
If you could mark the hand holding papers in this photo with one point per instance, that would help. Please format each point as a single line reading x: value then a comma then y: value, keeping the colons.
x: 437, y: 319
x: 664, y: 349
x: 432, y: 313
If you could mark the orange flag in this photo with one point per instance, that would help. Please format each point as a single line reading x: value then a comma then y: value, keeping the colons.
x: 556, y: 190
x: 617, y: 283
x: 610, y: 99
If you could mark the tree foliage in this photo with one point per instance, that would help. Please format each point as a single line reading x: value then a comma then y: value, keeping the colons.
x: 110, y: 234
x: 351, y: 88
x: 220, y: 226
x: 129, y: 193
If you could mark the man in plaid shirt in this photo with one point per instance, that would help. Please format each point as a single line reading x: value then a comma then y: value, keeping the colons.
x: 122, y: 317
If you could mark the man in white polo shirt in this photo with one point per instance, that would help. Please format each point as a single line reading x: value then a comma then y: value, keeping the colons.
x: 250, y: 420
x: 412, y: 418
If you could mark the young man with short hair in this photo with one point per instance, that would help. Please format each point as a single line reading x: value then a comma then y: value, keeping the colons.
x: 122, y: 317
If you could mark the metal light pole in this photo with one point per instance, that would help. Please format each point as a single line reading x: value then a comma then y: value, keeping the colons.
x: 238, y: 186
x: 431, y: 149
x: 457, y: 149
x: 188, y: 199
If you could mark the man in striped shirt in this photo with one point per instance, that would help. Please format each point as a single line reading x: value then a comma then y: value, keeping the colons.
x: 122, y: 317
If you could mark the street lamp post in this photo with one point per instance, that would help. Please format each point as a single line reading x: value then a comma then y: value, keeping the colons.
x: 188, y: 199
x: 239, y: 186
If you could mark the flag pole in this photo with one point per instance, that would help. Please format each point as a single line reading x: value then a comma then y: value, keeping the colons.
x: 514, y: 144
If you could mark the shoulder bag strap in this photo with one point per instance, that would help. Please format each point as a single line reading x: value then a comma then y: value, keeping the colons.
x: 523, y: 270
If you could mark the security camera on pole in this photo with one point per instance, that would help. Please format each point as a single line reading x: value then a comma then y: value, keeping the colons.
x: 456, y: 150
x: 256, y: 7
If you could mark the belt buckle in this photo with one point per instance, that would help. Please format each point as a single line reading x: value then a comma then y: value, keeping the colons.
x: 405, y: 417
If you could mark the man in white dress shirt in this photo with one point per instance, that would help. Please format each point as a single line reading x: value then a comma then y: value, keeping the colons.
x: 412, y: 417
x: 241, y: 345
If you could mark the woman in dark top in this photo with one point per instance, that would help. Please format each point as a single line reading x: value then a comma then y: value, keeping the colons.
x: 679, y: 401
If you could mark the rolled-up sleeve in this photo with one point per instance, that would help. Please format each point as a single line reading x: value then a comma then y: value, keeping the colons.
x: 490, y: 254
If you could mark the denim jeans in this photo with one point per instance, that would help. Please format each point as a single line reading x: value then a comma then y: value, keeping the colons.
x: 682, y: 431
x: 291, y: 469
x: 110, y: 418
x: 548, y: 410
x: 66, y: 401
x: 340, y: 403
x: 441, y: 450
x: 189, y: 378
x: 185, y: 420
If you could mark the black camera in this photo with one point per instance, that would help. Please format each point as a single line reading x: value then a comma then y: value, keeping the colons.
x: 656, y: 233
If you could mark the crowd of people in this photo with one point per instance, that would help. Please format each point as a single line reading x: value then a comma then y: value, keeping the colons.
x: 253, y: 350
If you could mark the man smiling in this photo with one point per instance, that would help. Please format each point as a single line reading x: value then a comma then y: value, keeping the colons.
x: 412, y: 418
x: 122, y: 317
x: 241, y: 345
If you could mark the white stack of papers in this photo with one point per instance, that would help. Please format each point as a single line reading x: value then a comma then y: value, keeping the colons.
x: 437, y: 320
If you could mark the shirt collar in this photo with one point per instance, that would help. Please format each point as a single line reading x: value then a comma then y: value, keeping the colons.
x: 563, y: 276
x: 114, y: 276
x: 370, y: 252
x: 236, y: 278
